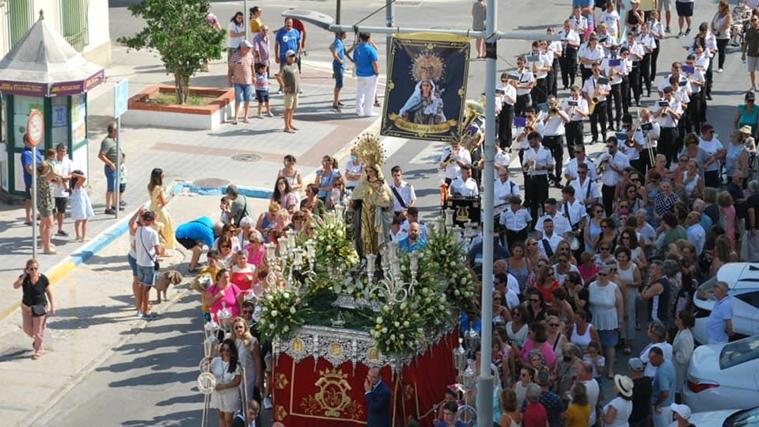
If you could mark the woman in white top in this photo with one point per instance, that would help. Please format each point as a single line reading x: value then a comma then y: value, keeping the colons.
x: 526, y: 377
x: 583, y: 332
x: 516, y: 328
x: 616, y: 412
x: 610, y: 17
x: 235, y: 34
x: 682, y: 347
x: 607, y: 311
x: 693, y: 185
x: 226, y: 395
x: 291, y: 174
x: 721, y: 24
x: 629, y: 277
x: 353, y: 169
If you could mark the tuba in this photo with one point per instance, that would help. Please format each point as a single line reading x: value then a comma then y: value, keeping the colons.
x: 471, y: 125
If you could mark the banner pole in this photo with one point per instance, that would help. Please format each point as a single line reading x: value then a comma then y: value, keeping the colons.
x: 485, y: 382
x: 117, y: 186
x: 34, y: 202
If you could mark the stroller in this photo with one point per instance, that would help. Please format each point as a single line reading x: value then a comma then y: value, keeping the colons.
x: 741, y: 20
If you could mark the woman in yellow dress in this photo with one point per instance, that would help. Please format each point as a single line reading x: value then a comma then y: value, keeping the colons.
x: 158, y: 204
x: 372, y: 202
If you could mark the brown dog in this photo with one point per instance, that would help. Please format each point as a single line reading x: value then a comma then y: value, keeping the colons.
x: 165, y: 280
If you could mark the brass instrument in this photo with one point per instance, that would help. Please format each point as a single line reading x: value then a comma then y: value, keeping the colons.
x: 553, y: 107
x: 530, y: 167
x: 631, y: 133
x: 602, y: 166
x: 595, y: 100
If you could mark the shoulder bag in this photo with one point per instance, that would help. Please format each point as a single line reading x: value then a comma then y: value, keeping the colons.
x: 156, y: 264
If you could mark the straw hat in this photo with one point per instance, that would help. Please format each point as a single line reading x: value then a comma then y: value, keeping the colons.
x: 624, y: 385
x: 746, y: 129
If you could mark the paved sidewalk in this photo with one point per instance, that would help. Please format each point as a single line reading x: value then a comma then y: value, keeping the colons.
x: 195, y: 156
x: 94, y: 317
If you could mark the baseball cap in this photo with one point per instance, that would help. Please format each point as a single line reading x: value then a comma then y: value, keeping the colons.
x: 636, y: 364
x: 750, y: 96
x: 290, y: 53
x: 682, y: 410
x: 246, y: 44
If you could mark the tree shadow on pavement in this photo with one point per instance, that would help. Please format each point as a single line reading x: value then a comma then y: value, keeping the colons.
x: 180, y: 419
x: 85, y: 317
x: 16, y: 355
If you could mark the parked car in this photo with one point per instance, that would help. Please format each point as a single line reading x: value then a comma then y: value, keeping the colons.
x: 726, y: 418
x: 724, y: 376
x: 742, y: 279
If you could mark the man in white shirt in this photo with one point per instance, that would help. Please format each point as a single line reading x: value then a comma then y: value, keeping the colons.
x: 715, y: 153
x: 515, y: 220
x: 508, y: 92
x: 637, y: 52
x: 570, y: 42
x: 453, y: 158
x: 648, y: 42
x: 146, y: 249
x: 525, y: 83
x: 590, y: 53
x: 697, y: 81
x: 586, y: 189
x: 62, y: 167
x: 645, y: 137
x: 403, y: 192
x: 595, y: 90
x: 573, y: 210
x: 570, y: 170
x: 555, y: 50
x: 504, y: 189
x: 553, y: 136
x: 550, y: 240
x: 576, y: 107
x: 667, y: 112
x: 560, y: 222
x: 613, y: 164
x: 537, y: 161
x: 616, y: 69
x: 695, y: 232
x: 540, y: 65
x: 464, y: 185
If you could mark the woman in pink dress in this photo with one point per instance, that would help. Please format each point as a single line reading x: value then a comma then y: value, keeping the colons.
x: 224, y: 295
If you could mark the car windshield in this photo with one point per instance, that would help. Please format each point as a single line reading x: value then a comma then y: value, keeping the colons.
x: 704, y: 291
x: 738, y: 352
x: 749, y: 417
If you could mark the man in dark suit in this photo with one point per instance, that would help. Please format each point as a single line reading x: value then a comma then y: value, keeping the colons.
x: 377, y: 395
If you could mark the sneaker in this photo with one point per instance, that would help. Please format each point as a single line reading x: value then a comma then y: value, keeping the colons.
x: 667, y: 30
x: 122, y: 202
x: 720, y: 70
x: 279, y: 91
x: 340, y: 104
x: 140, y: 315
x: 627, y: 350
x: 110, y: 211
x: 267, y: 403
x: 270, y: 114
x: 62, y: 233
x: 150, y: 316
x: 687, y: 31
x: 50, y: 251
x: 680, y: 34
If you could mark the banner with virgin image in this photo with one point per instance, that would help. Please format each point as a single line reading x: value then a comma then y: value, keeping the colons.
x: 426, y: 86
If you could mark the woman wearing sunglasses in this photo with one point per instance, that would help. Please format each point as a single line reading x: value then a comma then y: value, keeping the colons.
x: 36, y: 304
x: 607, y: 311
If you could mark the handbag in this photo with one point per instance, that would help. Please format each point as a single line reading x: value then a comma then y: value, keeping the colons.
x: 38, y: 310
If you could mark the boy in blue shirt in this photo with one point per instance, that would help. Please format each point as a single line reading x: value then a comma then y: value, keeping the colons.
x: 287, y: 39
x: 338, y: 67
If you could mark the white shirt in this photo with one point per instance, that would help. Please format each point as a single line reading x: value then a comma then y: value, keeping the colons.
x: 666, y: 120
x: 553, y: 126
x: 648, y: 42
x: 697, y: 236
x: 610, y: 177
x: 632, y: 153
x: 515, y: 221
x: 579, y: 23
x: 574, y: 212
x: 502, y: 158
x: 406, y: 191
x: 570, y: 169
x: 582, y: 105
x: 146, y: 239
x: 593, y: 54
x: 552, y: 242
x: 556, y: 48
x: 542, y: 158
x: 503, y: 190
x: 586, y: 191
x: 453, y: 169
x: 664, y: 83
x: 467, y: 188
x: 560, y: 223
x: 711, y: 148
x: 571, y: 38
x: 542, y: 61
x: 611, y: 20
x: 636, y: 52
x: 509, y: 93
x: 525, y: 77
x: 234, y: 42
x: 696, y: 77
x: 623, y: 69
x: 589, y: 88
x: 665, y: 347
x: 648, y: 138
x: 62, y: 168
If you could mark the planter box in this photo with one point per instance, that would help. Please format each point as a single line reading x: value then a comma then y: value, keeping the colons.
x: 143, y: 112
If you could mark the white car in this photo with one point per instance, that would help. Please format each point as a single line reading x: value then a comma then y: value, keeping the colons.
x: 726, y: 418
x: 724, y: 376
x: 742, y: 279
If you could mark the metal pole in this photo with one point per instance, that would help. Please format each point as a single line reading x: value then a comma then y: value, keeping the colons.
x: 117, y: 186
x: 389, y: 23
x: 34, y: 202
x: 338, y: 8
x: 246, y: 20
x: 486, y: 381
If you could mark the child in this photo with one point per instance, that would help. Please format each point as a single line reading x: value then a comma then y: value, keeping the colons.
x: 262, y: 89
x: 225, y: 217
x: 239, y: 420
x: 81, y: 207
x: 593, y: 355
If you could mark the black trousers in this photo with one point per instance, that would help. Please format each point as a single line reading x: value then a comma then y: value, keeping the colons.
x: 634, y: 79
x: 568, y: 66
x: 709, y: 75
x: 615, y: 96
x: 711, y: 179
x: 721, y: 52
x: 645, y: 73
x: 537, y: 188
x: 574, y: 137
x: 694, y: 112
x: 608, y: 193
x: 646, y: 159
x: 539, y: 92
x: 667, y: 141
x: 556, y: 145
x: 585, y: 73
x: 654, y: 60
x: 599, y: 118
x: 520, y: 106
x: 625, y: 89
x: 553, y: 78
x: 505, y: 120
x: 515, y: 236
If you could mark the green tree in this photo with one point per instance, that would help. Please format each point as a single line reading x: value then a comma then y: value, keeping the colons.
x: 179, y: 32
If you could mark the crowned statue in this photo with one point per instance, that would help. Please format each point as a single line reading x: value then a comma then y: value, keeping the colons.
x: 372, y: 200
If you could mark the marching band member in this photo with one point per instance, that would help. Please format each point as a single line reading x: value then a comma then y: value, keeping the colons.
x: 579, y: 22
x: 503, y: 190
x: 615, y: 69
x: 570, y: 170
x: 515, y: 219
x: 626, y: 144
x: 595, y: 90
x: 675, y: 72
x: 403, y: 192
x: 531, y: 125
x: 464, y: 185
x: 637, y: 52
x: 667, y: 112
x: 656, y: 29
x: 586, y: 189
x: 697, y: 81
x: 453, y: 159
x: 625, y: 70
x: 525, y: 83
x: 540, y: 66
x: 645, y: 137
x: 553, y: 136
x: 606, y: 40
x: 537, y: 162
x: 570, y: 41
x: 551, y: 213
x: 710, y: 47
x: 648, y: 42
x: 612, y: 164
x: 508, y: 91
x: 550, y: 239
x: 574, y: 211
x: 557, y: 50
x: 576, y: 107
x: 590, y: 53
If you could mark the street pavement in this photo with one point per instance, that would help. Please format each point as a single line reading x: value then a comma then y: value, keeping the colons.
x: 102, y: 366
